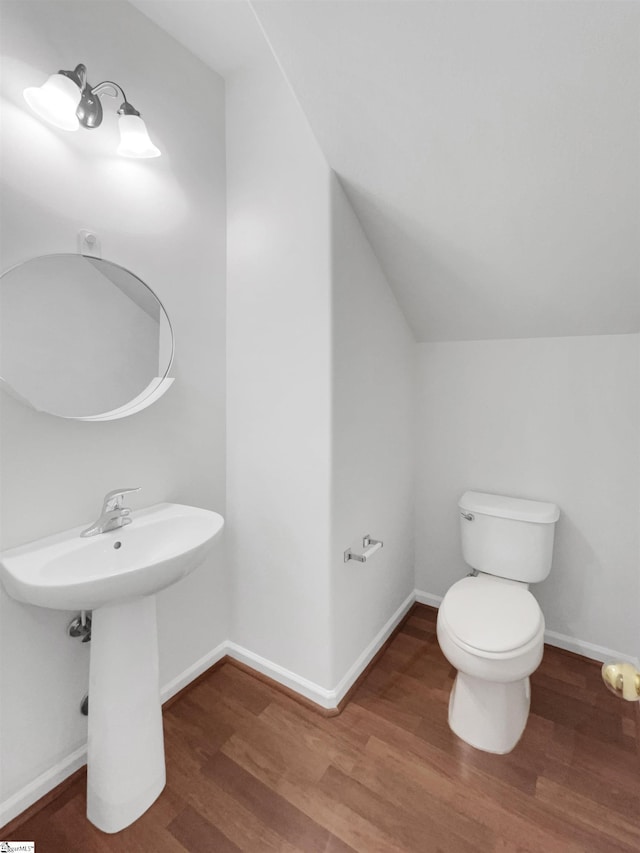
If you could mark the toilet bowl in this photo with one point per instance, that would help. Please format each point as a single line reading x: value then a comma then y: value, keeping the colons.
x: 490, y: 627
x: 490, y: 698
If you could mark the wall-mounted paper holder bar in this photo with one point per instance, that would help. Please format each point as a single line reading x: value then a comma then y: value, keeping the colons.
x: 370, y: 547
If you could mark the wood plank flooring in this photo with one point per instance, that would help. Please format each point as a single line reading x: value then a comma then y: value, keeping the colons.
x: 248, y: 768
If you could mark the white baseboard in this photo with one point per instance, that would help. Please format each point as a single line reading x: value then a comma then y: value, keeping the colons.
x: 554, y: 638
x: 588, y: 650
x: 42, y: 784
x: 355, y: 671
x: 193, y: 671
x: 320, y: 695
x: 427, y: 598
x: 329, y: 699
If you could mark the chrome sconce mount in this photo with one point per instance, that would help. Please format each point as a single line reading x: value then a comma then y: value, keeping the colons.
x: 89, y: 111
x: 68, y: 101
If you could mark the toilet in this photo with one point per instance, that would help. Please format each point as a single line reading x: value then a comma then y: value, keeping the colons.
x: 490, y: 627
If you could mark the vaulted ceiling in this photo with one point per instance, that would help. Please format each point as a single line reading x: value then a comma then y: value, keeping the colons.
x: 490, y: 149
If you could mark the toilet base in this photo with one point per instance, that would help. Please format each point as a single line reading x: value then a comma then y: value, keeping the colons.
x: 489, y: 715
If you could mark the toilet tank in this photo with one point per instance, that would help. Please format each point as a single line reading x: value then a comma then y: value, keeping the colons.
x: 507, y: 537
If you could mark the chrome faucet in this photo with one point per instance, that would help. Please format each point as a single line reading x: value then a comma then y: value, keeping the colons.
x: 113, y: 514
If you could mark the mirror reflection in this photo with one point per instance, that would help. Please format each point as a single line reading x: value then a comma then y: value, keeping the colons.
x: 81, y: 337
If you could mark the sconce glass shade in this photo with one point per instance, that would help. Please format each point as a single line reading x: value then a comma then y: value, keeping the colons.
x: 134, y: 138
x: 55, y: 101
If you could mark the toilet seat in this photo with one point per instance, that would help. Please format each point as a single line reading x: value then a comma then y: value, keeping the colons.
x: 490, y: 616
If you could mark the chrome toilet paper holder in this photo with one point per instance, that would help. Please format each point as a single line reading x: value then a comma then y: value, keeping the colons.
x: 370, y: 547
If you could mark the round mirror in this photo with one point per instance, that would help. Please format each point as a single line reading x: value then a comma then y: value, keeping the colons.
x: 81, y: 337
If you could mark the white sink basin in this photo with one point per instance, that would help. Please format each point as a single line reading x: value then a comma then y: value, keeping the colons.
x: 163, y: 543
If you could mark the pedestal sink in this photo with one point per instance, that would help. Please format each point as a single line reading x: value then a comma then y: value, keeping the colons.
x: 116, y: 575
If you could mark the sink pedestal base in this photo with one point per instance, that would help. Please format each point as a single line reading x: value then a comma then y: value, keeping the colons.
x: 125, y: 763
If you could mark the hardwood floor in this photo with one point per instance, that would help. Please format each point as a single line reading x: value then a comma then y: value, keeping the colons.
x: 248, y: 768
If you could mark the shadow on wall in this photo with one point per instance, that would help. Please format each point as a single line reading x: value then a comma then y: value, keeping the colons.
x: 50, y: 170
x: 562, y: 595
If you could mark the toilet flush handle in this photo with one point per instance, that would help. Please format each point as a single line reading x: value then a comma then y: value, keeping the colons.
x: 468, y: 515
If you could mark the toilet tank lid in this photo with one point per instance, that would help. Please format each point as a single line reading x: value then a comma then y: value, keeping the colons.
x: 517, y: 509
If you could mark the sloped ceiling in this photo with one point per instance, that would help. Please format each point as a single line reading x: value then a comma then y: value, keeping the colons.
x: 490, y: 149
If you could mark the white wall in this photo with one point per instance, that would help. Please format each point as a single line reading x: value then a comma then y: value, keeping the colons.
x: 551, y: 419
x: 313, y: 462
x: 373, y: 379
x: 279, y: 396
x: 165, y: 220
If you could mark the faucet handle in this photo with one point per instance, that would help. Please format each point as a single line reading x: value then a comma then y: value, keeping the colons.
x: 113, y: 500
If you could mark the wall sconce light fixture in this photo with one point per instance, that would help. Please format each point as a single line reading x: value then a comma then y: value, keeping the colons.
x: 67, y: 101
